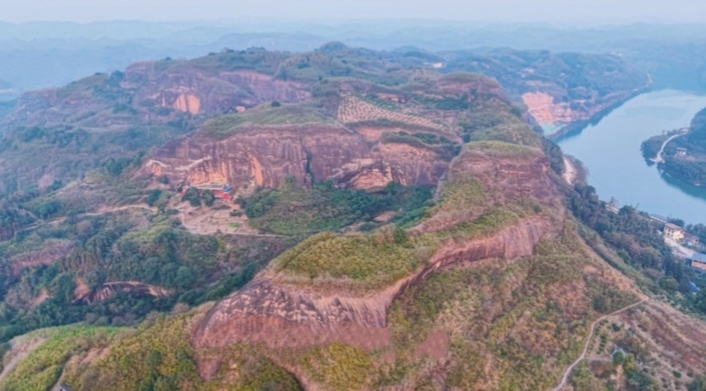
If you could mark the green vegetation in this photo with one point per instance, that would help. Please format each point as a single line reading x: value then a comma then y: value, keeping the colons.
x: 461, y: 195
x: 650, y: 148
x: 126, y: 246
x: 297, y: 210
x: 581, y: 75
x: 338, y: 366
x: 505, y: 319
x: 631, y: 233
x: 693, y: 172
x: 698, y: 384
x: 692, y: 167
x: 156, y: 357
x: 374, y: 260
x: 41, y: 369
x: 369, y: 261
x: 287, y: 114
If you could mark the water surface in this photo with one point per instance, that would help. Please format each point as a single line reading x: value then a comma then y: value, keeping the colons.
x: 610, y: 150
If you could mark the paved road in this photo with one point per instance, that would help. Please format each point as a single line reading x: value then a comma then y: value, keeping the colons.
x: 678, y: 248
x: 658, y: 158
x: 565, y: 376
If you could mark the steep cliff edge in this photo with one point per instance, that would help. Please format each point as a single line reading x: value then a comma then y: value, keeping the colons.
x: 265, y: 156
x: 289, y: 315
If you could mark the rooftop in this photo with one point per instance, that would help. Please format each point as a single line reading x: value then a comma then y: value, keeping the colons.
x: 698, y: 257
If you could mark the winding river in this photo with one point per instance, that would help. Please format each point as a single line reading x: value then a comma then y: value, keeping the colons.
x: 610, y: 151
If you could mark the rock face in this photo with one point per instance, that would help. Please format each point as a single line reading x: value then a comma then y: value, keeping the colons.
x: 131, y: 98
x: 267, y: 155
x: 555, y: 117
x: 189, y: 89
x: 283, y: 315
x: 108, y: 290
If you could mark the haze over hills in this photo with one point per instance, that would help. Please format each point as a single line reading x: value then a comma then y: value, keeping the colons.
x: 44, y: 54
x: 331, y: 216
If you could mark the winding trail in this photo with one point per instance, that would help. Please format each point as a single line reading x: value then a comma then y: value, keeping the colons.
x: 565, y: 376
x: 658, y: 158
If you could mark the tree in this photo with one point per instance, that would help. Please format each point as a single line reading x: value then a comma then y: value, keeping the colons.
x: 192, y: 195
x: 185, y: 277
x: 400, y: 235
x: 153, y: 197
x: 583, y: 380
x: 699, y: 383
x: 208, y: 198
x: 700, y: 301
x: 669, y: 284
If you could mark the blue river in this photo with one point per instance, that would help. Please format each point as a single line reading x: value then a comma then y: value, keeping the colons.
x: 610, y: 151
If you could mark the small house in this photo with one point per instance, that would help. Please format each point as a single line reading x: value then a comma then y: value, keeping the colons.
x: 698, y: 262
x: 691, y: 240
x: 674, y: 232
x: 681, y: 152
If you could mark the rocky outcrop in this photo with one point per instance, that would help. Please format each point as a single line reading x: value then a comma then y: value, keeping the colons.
x: 560, y: 117
x: 279, y: 314
x: 266, y: 155
x: 129, y: 99
x: 110, y: 289
x: 187, y: 88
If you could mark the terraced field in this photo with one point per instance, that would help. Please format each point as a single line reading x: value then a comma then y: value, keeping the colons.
x: 353, y: 109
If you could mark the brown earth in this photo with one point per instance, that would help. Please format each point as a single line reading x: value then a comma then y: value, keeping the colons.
x: 267, y: 155
x: 544, y: 110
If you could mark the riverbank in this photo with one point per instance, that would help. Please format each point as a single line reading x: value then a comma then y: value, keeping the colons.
x: 683, y: 154
x: 610, y: 152
x: 649, y: 147
x: 576, y: 127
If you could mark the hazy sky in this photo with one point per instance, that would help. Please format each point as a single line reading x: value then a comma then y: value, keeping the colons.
x: 489, y: 10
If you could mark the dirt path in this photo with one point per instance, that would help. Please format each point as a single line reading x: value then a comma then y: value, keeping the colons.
x: 658, y: 158
x: 100, y: 212
x: 103, y: 210
x: 570, y: 171
x: 678, y: 249
x: 565, y: 376
x: 19, y: 356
